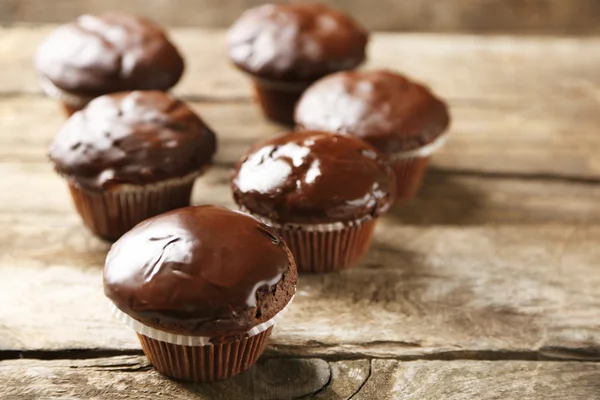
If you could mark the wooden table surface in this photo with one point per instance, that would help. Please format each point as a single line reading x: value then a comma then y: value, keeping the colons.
x: 487, y: 286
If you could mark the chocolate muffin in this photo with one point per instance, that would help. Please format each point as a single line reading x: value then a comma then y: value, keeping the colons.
x: 322, y: 192
x: 129, y: 156
x: 202, y: 287
x: 399, y: 117
x: 286, y: 47
x: 100, y: 54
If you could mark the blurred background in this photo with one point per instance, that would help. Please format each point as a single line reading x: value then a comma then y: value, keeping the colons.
x: 475, y: 16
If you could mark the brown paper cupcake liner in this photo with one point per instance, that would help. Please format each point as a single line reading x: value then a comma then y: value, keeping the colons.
x: 278, y: 99
x: 410, y: 168
x: 110, y: 214
x: 196, y: 358
x: 71, y: 103
x: 409, y: 173
x: 324, y: 248
x: 204, y: 363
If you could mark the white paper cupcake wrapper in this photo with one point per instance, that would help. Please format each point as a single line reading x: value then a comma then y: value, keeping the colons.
x: 424, y: 151
x: 153, y: 187
x: 185, y: 340
x: 329, y: 227
x: 71, y: 99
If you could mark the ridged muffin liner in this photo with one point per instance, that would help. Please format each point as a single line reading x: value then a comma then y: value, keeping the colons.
x: 71, y: 103
x: 278, y: 99
x: 324, y: 248
x: 195, y: 358
x: 109, y: 214
x: 410, y: 168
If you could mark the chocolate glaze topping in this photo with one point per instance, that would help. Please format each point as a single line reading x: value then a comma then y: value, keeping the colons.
x: 201, y: 271
x: 132, y: 138
x: 296, y: 42
x: 384, y: 108
x: 313, y: 177
x: 112, y: 52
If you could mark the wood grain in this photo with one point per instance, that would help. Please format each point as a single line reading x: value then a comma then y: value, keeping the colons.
x: 529, y: 71
x: 541, y: 16
x: 133, y: 378
x: 492, y: 292
x: 462, y: 380
x: 495, y: 260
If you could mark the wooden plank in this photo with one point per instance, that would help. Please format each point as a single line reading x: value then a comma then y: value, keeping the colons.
x: 294, y: 378
x: 498, y: 138
x: 456, y: 66
x: 433, y: 292
x: 134, y: 378
x: 546, y: 16
x: 445, y: 199
x: 462, y: 380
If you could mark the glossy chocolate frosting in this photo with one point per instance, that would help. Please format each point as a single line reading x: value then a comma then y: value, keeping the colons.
x: 201, y: 271
x: 112, y: 52
x: 313, y: 177
x: 384, y: 108
x: 296, y: 42
x: 132, y: 138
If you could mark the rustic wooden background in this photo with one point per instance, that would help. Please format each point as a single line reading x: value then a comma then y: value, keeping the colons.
x: 514, y: 16
x: 484, y: 287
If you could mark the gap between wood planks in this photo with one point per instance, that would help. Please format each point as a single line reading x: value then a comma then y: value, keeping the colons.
x: 544, y: 354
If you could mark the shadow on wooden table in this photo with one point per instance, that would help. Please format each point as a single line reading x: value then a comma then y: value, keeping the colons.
x: 443, y: 200
x: 428, y: 293
x: 269, y: 379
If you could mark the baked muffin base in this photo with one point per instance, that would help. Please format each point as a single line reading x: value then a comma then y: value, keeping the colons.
x: 109, y: 214
x: 324, y: 248
x: 409, y: 177
x: 70, y: 103
x: 207, y: 363
x: 278, y: 100
x: 410, y: 168
x: 199, y: 358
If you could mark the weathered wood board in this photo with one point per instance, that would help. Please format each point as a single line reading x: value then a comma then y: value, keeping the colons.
x: 529, y: 71
x: 541, y: 16
x: 421, y: 292
x: 275, y: 379
x: 490, y: 270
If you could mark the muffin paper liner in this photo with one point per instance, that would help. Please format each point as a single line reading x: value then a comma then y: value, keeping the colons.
x: 194, y: 358
x: 278, y: 99
x: 409, y: 177
x: 204, y: 363
x: 109, y: 214
x: 410, y: 168
x: 71, y: 102
x: 323, y: 248
x: 186, y: 340
x: 424, y: 151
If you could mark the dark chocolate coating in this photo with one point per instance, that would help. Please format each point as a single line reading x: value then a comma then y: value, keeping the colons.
x: 296, y: 42
x: 313, y: 177
x: 132, y: 138
x: 201, y: 271
x: 384, y: 108
x: 112, y: 52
